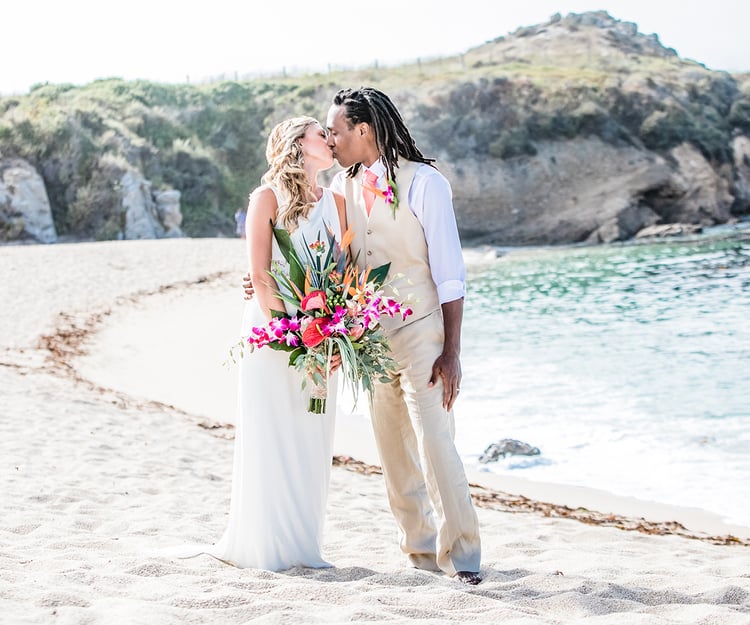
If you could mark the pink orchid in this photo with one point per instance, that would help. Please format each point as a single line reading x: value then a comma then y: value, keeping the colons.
x: 290, y: 338
x: 335, y: 326
x: 390, y: 307
x: 388, y: 195
x: 293, y: 324
x: 259, y: 337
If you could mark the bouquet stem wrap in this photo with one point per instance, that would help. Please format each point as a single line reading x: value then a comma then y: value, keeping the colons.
x: 318, y: 396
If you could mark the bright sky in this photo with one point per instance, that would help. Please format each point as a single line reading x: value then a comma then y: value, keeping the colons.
x: 80, y: 40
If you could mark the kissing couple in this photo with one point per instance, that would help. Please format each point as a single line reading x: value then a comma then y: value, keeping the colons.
x: 400, y: 211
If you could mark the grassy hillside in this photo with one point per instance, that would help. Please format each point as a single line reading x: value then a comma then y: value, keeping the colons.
x: 574, y: 76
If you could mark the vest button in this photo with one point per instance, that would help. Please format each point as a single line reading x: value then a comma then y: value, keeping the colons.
x: 369, y: 252
x: 369, y: 232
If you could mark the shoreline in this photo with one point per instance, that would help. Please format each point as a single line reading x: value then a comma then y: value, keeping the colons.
x: 173, y: 319
x: 355, y: 442
x: 110, y: 358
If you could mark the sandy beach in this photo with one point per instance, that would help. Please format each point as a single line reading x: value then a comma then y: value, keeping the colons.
x: 114, y: 445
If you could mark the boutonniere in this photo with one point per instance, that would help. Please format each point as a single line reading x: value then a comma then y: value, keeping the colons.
x: 390, y: 195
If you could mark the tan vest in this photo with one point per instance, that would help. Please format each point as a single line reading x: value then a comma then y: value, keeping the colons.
x: 380, y: 239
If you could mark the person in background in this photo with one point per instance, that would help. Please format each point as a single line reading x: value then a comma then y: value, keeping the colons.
x: 239, y: 221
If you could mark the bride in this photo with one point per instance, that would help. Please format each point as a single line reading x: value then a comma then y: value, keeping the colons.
x: 282, y: 453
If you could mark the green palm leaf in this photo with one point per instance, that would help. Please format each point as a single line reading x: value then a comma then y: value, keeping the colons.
x: 296, y: 268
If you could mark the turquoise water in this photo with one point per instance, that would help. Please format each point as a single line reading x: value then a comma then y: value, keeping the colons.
x: 627, y: 365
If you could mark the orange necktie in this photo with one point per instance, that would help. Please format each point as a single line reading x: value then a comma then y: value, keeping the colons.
x: 371, y: 181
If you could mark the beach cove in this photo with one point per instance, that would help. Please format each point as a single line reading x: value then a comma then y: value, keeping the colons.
x: 106, y: 461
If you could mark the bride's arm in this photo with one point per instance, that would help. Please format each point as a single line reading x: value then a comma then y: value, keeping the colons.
x: 261, y: 212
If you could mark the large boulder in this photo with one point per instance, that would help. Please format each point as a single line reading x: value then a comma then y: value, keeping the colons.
x: 699, y: 194
x: 569, y: 191
x: 168, y: 210
x: 586, y: 190
x: 507, y: 447
x: 141, y: 217
x: 148, y: 214
x: 24, y: 206
x: 741, y: 157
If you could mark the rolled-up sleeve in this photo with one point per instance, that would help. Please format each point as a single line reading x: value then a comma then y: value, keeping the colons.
x: 431, y: 201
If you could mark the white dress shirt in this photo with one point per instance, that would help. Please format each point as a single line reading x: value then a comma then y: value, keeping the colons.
x: 431, y: 201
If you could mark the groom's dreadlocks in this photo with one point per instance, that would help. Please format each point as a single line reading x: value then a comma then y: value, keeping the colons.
x: 392, y: 137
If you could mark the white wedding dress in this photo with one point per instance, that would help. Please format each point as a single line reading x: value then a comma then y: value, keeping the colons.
x: 282, y: 453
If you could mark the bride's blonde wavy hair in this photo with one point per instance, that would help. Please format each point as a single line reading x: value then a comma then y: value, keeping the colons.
x: 285, y: 172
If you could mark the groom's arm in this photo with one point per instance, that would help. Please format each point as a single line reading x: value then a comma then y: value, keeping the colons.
x: 431, y: 199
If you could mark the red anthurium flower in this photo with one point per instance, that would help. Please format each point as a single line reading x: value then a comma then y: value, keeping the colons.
x: 315, y: 300
x: 313, y: 333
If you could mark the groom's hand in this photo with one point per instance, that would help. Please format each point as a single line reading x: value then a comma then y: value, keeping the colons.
x: 448, y: 368
x: 247, y: 285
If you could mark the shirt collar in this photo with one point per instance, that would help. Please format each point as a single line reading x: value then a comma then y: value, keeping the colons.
x: 377, y: 168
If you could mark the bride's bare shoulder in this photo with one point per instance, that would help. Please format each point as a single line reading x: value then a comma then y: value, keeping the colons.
x: 263, y: 200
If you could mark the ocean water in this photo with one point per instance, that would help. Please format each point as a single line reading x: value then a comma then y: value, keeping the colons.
x: 627, y: 365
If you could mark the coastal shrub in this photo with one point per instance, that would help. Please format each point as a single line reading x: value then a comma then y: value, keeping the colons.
x: 739, y: 114
x: 11, y: 226
x: 712, y: 133
x: 50, y: 92
x: 662, y: 130
x: 551, y: 125
x: 159, y: 130
x: 511, y: 144
x: 6, y: 133
x: 199, y: 180
x: 96, y: 208
x: 6, y: 104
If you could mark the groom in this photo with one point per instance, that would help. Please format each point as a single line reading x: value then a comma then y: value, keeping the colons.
x: 412, y: 415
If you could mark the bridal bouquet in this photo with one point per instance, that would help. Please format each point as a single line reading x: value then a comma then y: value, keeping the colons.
x: 338, y: 311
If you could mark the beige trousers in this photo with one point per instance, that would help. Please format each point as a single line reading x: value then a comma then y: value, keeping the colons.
x: 424, y: 476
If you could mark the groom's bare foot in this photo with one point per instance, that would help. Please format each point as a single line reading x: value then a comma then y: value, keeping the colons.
x: 468, y: 577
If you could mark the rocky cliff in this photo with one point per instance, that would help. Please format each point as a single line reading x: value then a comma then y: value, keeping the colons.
x: 581, y: 129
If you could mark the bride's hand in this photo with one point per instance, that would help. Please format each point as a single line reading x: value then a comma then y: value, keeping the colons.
x: 247, y: 285
x: 335, y: 364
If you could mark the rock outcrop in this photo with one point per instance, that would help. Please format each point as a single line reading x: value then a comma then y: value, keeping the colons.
x: 168, y: 210
x: 148, y: 214
x: 668, y: 230
x: 24, y: 206
x: 578, y: 190
x: 741, y: 157
x: 141, y: 218
x: 507, y: 447
x: 703, y: 194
